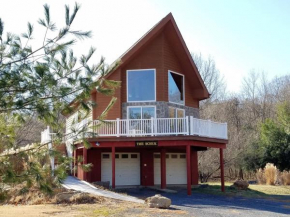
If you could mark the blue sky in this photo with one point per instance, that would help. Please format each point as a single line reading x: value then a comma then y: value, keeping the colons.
x: 240, y: 35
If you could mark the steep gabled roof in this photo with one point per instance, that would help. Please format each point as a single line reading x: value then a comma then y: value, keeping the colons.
x: 168, y: 25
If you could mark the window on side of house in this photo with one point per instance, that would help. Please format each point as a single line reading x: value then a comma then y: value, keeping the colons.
x: 180, y: 113
x: 176, y: 112
x: 141, y: 85
x: 175, y: 88
x: 141, y: 112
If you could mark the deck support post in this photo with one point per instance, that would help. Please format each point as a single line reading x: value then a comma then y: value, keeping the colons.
x: 222, y: 170
x: 188, y: 164
x: 85, y: 161
x: 163, y: 168
x: 194, y: 167
x: 113, y: 167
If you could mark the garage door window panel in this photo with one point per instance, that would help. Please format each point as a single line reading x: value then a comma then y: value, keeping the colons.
x: 134, y: 156
x: 174, y: 156
x: 156, y: 155
x: 106, y: 156
x: 125, y: 156
x: 183, y: 156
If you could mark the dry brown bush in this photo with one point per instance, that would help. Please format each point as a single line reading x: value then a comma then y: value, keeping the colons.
x: 82, y: 198
x: 271, y: 173
x: 285, y: 176
x: 33, y: 196
x: 18, y: 165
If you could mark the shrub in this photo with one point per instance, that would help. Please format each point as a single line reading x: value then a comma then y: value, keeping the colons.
x: 261, y: 177
x: 285, y: 176
x: 271, y: 174
x: 3, y: 195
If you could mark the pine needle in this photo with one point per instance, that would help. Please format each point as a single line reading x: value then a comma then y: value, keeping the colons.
x: 67, y: 15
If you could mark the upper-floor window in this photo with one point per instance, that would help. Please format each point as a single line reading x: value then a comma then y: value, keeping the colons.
x: 175, y: 88
x: 141, y: 85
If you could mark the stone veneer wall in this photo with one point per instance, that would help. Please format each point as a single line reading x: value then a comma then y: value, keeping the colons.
x: 162, y: 108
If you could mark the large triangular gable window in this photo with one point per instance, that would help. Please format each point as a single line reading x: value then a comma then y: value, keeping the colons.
x: 141, y: 85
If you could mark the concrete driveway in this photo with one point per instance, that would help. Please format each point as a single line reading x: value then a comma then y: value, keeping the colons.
x: 205, y: 205
x: 83, y: 186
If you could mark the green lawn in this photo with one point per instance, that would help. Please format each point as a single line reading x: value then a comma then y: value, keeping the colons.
x: 260, y: 191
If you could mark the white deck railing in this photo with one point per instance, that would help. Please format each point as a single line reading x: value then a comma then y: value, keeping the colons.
x: 149, y: 127
x: 45, y: 136
x: 142, y: 127
x: 159, y: 127
x: 207, y: 128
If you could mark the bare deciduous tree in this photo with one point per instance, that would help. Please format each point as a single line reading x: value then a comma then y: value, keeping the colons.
x: 243, y: 111
x: 213, y: 79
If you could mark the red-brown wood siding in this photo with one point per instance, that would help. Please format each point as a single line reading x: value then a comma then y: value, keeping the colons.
x: 150, y: 57
x: 94, y: 157
x: 103, y: 101
x: 158, y: 54
x: 171, y: 63
x: 94, y: 98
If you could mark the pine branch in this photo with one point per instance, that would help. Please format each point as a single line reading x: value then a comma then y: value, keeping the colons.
x: 47, y: 14
x: 67, y: 15
x: 42, y: 22
x: 1, y: 28
x: 109, y: 106
x: 81, y: 35
x: 76, y: 9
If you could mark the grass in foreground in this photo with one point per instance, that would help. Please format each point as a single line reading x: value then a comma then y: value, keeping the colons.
x: 108, y: 208
x: 258, y: 191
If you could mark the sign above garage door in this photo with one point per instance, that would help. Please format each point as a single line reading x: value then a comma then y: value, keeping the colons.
x: 146, y: 143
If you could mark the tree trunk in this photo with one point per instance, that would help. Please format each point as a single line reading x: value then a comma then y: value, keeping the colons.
x: 241, y: 174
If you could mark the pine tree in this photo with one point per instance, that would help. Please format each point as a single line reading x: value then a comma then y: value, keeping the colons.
x: 43, y: 81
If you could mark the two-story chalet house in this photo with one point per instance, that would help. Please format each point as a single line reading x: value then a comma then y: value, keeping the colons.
x: 154, y: 133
